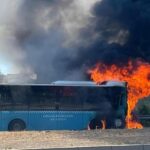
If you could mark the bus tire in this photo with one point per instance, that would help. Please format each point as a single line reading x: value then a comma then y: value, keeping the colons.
x: 16, y: 125
x: 95, y: 124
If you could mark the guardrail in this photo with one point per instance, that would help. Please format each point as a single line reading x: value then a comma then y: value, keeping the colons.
x: 144, y: 117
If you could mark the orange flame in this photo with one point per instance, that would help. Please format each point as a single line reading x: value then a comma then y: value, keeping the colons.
x: 135, y: 73
x: 103, y: 124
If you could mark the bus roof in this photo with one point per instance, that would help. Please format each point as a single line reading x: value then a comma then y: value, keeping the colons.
x: 88, y: 83
x: 75, y: 83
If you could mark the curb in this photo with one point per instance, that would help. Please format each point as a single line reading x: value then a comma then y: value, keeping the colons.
x: 116, y: 147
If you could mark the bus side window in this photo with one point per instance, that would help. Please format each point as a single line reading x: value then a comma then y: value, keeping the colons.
x: 117, y: 97
x: 69, y: 98
x: 42, y: 98
x: 92, y: 99
x: 18, y: 96
x: 6, y: 98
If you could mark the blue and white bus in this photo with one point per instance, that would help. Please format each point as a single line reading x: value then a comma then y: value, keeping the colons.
x: 62, y: 105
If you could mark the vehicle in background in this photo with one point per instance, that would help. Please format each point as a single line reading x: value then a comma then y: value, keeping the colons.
x: 63, y: 105
x: 142, y: 112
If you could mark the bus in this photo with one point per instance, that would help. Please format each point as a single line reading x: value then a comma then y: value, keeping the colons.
x: 63, y: 105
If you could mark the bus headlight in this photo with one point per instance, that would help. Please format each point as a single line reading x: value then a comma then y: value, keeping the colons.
x: 118, y: 123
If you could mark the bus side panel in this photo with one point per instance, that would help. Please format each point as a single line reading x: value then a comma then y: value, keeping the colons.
x: 88, y: 116
x: 74, y: 120
x: 1, y: 120
x: 43, y: 120
x: 70, y: 120
x: 8, y: 116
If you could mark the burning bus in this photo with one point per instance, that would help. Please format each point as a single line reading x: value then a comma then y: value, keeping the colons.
x: 63, y: 105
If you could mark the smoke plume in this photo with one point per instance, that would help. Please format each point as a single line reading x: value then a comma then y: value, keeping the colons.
x: 50, y: 40
x: 119, y: 31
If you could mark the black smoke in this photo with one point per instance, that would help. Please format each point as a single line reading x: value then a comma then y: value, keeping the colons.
x: 122, y: 31
x: 59, y: 40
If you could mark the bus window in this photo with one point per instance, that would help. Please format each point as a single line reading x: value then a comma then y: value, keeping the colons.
x: 97, y: 99
x: 19, y: 98
x: 5, y: 98
x: 115, y: 93
x: 42, y: 98
x: 69, y: 98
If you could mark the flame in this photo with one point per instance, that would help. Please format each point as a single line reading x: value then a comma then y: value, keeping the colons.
x: 103, y: 124
x: 135, y: 73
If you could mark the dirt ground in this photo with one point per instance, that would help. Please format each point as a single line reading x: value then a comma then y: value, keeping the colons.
x: 53, y: 139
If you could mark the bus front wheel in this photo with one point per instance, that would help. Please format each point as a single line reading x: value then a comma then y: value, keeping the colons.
x: 16, y: 125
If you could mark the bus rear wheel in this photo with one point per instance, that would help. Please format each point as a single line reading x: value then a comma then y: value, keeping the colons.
x: 95, y: 124
x: 16, y: 125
